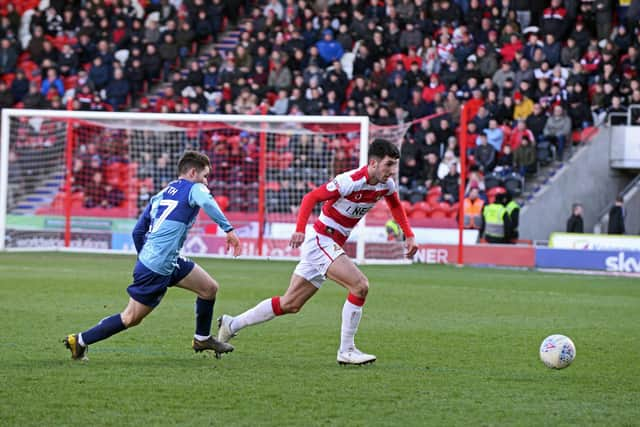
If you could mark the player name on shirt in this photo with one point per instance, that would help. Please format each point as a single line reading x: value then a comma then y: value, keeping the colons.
x: 354, y: 199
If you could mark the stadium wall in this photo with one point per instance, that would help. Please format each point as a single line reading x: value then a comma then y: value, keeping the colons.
x: 586, y: 178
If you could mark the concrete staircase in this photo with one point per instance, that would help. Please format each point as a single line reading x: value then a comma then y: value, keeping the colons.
x: 585, y: 177
x: 41, y: 196
x: 226, y: 43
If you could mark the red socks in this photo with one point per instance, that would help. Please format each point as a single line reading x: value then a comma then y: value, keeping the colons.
x: 275, y: 306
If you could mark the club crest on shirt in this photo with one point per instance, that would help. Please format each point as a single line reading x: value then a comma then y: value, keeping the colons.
x: 358, y: 196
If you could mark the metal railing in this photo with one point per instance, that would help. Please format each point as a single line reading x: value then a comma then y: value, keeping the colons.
x: 628, y: 115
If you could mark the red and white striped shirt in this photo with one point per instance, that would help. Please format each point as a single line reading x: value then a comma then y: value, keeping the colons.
x: 347, y: 199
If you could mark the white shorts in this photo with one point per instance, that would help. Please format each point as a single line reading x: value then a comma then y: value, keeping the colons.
x: 316, y: 255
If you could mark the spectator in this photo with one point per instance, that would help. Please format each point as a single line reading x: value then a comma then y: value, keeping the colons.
x: 95, y: 193
x: 113, y: 198
x: 558, y: 129
x: 185, y: 38
x: 485, y: 154
x: 328, y: 48
x: 430, y: 173
x: 6, y: 97
x: 151, y: 64
x: 473, y: 205
x: 482, y: 118
x: 195, y: 77
x: 519, y: 132
x: 19, y: 86
x: 504, y: 114
x: 135, y: 76
x: 104, y: 52
x: 52, y: 83
x: 68, y: 61
x: 570, y: 53
x: 168, y: 52
x: 451, y: 185
x: 551, y: 49
x: 513, y: 212
x: 525, y: 158
x: 502, y: 74
x: 524, y: 72
x: 523, y: 107
x: 487, y: 61
x: 410, y: 37
x: 536, y: 122
x: 616, y: 111
x: 448, y: 161
x: 151, y: 31
x: 84, y: 96
x: 274, y: 7
x: 8, y: 57
x: 603, y: 10
x: 36, y: 44
x: 85, y: 49
x: 616, y: 217
x: 495, y: 135
x: 34, y: 98
x: 279, y: 77
x: 394, y: 232
x: 504, y: 165
x: 495, y: 221
x: 575, y: 223
x: 99, y: 74
x: 53, y: 22
x: 118, y: 90
x: 554, y: 19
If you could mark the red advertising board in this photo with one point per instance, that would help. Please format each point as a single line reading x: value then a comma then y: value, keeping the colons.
x: 499, y: 255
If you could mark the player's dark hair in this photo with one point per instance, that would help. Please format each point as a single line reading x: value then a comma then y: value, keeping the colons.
x: 192, y: 159
x: 380, y: 148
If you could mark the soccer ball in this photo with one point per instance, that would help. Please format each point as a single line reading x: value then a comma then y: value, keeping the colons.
x: 557, y: 351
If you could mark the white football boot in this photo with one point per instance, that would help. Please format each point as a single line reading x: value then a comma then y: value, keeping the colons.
x: 354, y: 356
x: 224, y: 328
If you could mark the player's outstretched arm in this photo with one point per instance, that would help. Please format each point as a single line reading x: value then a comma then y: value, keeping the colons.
x: 397, y: 211
x: 318, y: 195
x: 296, y: 239
x: 411, y: 246
x: 233, y: 243
x: 142, y: 226
x: 201, y: 196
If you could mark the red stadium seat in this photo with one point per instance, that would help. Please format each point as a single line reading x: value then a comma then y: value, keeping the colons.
x: 418, y: 214
x: 8, y: 78
x: 70, y: 82
x: 433, y: 198
x: 453, y: 212
x: 380, y: 214
x: 422, y: 206
x: 441, y: 210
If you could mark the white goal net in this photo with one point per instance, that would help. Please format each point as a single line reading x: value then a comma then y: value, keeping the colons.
x: 80, y: 179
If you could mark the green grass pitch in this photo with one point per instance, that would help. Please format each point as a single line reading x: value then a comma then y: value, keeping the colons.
x: 454, y: 346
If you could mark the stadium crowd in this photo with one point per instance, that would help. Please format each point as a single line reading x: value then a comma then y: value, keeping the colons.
x: 530, y: 73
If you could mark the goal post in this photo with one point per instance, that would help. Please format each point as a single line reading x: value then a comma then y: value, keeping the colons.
x: 79, y: 179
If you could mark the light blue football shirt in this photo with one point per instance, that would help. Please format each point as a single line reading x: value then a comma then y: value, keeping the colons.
x: 167, y: 219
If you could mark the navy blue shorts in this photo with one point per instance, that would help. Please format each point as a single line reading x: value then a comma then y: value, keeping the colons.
x: 149, y: 287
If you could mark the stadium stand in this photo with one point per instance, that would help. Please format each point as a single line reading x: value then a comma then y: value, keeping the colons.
x: 548, y: 71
